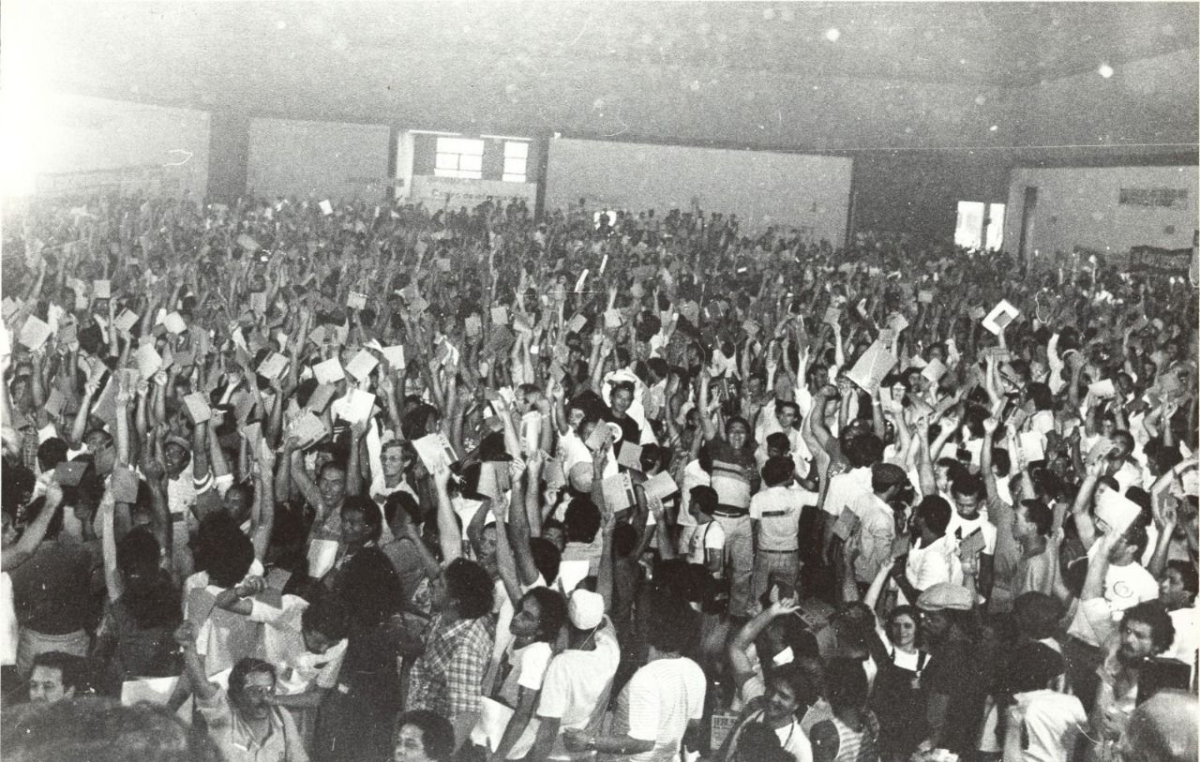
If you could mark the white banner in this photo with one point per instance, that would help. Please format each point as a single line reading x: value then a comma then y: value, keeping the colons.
x: 436, y: 192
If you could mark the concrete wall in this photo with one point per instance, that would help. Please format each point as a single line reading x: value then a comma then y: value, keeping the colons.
x: 320, y: 159
x: 1081, y: 207
x: 762, y: 188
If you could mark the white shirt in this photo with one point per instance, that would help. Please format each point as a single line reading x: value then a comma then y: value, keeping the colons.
x: 657, y: 704
x: 777, y: 511
x: 710, y: 536
x: 845, y: 488
x: 960, y: 529
x: 576, y: 683
x: 1187, y: 624
x: 1052, y: 724
x: 283, y: 645
x: 1125, y: 586
x: 929, y: 565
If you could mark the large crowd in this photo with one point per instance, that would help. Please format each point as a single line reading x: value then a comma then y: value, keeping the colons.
x: 291, y: 480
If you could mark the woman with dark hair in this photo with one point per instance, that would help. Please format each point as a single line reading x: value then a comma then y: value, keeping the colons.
x: 135, y: 638
x: 361, y: 527
x: 896, y: 695
x: 356, y: 717
x: 535, y: 626
x: 224, y: 556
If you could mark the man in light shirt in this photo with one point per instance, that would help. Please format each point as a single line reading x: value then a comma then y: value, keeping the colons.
x: 775, y: 517
x: 931, y: 559
x: 877, y: 522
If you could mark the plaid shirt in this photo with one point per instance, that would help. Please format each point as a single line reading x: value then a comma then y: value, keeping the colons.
x: 448, y: 677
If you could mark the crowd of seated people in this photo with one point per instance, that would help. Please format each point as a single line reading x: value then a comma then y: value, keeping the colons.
x: 290, y: 480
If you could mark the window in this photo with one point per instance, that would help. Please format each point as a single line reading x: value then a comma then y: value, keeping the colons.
x: 980, y: 225
x: 459, y: 157
x: 516, y: 156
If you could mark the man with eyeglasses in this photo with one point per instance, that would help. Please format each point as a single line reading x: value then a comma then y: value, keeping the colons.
x: 243, y: 721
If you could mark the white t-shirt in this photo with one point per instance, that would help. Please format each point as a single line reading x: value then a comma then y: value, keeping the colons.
x: 657, y: 704
x: 507, y: 609
x: 283, y: 646
x: 777, y: 511
x: 576, y: 683
x: 1052, y: 724
x: 710, y: 536
x: 528, y: 670
x: 845, y: 488
x: 960, y: 529
x: 929, y: 565
x: 1125, y: 586
x: 1187, y: 624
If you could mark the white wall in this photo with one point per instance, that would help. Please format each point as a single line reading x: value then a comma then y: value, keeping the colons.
x: 63, y: 143
x: 1079, y: 207
x: 762, y: 188
x: 332, y: 160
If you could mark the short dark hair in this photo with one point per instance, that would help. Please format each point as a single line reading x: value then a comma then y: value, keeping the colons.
x: 72, y: 668
x: 469, y: 585
x: 371, y: 514
x: 1154, y: 614
x: 1031, y: 666
x: 968, y: 485
x: 935, y: 512
x: 781, y: 405
x: 1187, y: 575
x: 704, y: 499
x: 582, y: 520
x: 546, y: 557
x: 865, y: 450
x: 778, y: 471
x: 437, y: 734
x: 327, y: 615
x: 672, y: 624
x: 222, y: 549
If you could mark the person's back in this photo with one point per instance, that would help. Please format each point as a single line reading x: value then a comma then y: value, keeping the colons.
x: 658, y: 702
x: 1053, y: 722
x: 51, y: 588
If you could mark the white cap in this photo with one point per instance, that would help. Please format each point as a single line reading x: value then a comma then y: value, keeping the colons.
x: 586, y: 609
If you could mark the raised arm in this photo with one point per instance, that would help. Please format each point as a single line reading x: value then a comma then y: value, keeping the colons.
x: 19, y: 553
x: 449, y: 535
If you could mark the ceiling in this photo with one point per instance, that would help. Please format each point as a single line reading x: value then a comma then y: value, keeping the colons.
x: 725, y: 72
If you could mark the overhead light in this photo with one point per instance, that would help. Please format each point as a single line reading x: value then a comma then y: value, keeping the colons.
x: 435, y: 132
x: 506, y: 137
x: 833, y: 34
x: 1106, y: 71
